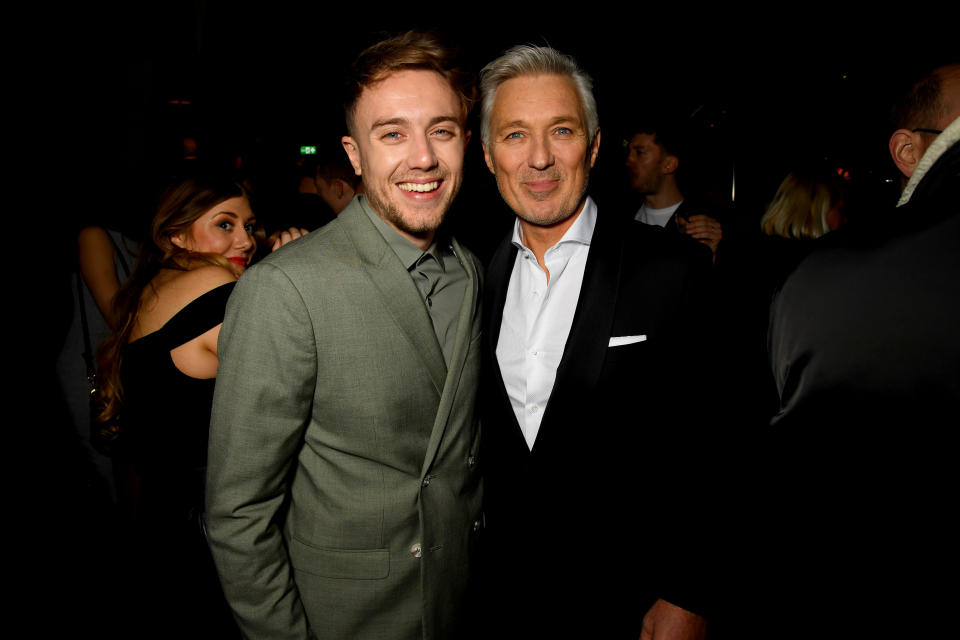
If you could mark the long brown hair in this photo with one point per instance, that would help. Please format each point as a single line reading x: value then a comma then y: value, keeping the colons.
x: 178, y: 208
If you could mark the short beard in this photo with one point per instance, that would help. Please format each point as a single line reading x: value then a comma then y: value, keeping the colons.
x: 391, y: 214
x: 560, y: 216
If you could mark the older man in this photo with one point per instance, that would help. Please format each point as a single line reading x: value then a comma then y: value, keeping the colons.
x: 581, y: 415
x: 343, y: 488
x: 865, y: 349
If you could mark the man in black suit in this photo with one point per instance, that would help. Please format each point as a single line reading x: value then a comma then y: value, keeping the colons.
x: 588, y: 448
x: 865, y: 349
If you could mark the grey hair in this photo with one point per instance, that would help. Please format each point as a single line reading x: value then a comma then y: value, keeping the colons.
x: 528, y: 59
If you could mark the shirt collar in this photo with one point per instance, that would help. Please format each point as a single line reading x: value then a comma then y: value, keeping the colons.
x: 937, y: 148
x: 409, y: 253
x: 581, y: 231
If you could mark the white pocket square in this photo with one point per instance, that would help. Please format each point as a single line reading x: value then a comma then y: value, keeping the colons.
x: 619, y: 341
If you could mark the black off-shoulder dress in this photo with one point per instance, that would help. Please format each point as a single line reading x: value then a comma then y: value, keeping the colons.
x: 166, y: 415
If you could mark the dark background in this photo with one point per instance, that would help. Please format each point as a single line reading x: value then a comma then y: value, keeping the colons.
x: 256, y: 80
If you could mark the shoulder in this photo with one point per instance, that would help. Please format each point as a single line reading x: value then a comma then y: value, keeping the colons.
x: 177, y: 289
x: 203, y: 278
x: 313, y: 247
x: 699, y: 206
x: 654, y: 242
x: 171, y: 291
x: 93, y: 240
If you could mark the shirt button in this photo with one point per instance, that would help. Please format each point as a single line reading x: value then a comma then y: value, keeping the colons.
x: 534, y: 409
x: 476, y: 525
x: 471, y: 461
x: 426, y: 482
x: 416, y: 550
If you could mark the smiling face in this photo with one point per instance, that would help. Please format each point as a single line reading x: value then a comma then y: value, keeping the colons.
x: 226, y: 230
x: 540, y: 149
x: 407, y: 143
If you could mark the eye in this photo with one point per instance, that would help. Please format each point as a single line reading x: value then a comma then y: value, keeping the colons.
x: 516, y: 135
x: 443, y: 133
x: 564, y: 131
x: 391, y: 136
x: 226, y: 225
x: 249, y: 227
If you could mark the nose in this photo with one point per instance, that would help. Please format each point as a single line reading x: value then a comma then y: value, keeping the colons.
x: 421, y: 154
x: 244, y: 241
x: 541, y: 153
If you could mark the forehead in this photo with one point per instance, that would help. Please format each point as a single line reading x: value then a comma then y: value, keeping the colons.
x: 531, y: 98
x: 644, y: 141
x: 407, y: 95
x: 238, y: 206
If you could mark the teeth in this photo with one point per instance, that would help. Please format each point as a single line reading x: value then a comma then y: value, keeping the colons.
x: 420, y: 188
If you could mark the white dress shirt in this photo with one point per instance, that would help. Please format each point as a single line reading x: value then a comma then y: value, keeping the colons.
x: 537, y: 316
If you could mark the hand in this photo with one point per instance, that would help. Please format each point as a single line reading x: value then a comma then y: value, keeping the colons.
x: 704, y: 229
x: 281, y: 238
x: 665, y: 621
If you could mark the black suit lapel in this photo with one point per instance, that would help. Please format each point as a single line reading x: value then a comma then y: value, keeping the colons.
x: 495, y: 295
x: 589, y: 338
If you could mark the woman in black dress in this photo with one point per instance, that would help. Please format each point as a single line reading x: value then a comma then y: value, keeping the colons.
x: 157, y: 388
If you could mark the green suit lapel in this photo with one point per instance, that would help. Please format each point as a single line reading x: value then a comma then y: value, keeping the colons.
x: 469, y: 319
x: 397, y: 291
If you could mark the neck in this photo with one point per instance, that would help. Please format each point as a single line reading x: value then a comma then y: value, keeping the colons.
x: 540, y: 238
x: 421, y: 240
x: 667, y: 196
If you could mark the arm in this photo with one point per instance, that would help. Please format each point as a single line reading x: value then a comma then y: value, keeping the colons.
x: 665, y: 621
x: 95, y: 255
x: 261, y: 408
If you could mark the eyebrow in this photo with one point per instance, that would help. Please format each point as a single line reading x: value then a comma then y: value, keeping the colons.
x: 234, y: 215
x: 558, y: 120
x: 388, y: 122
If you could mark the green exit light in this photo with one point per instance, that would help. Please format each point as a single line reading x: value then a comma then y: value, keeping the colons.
x: 308, y: 151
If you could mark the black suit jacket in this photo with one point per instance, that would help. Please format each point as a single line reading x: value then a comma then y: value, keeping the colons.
x: 580, y: 534
x: 865, y: 347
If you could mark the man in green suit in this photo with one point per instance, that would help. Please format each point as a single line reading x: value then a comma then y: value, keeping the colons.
x: 343, y: 491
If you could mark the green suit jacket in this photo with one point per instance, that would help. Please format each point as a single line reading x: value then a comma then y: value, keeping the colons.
x: 343, y: 490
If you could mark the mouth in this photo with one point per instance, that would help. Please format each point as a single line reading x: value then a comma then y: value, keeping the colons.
x: 238, y: 260
x: 419, y: 187
x: 541, y: 186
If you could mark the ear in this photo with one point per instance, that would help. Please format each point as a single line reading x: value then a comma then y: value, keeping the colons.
x: 466, y: 138
x: 488, y: 158
x: 905, y: 150
x: 178, y: 240
x: 340, y: 186
x: 670, y: 164
x: 353, y: 152
x: 595, y: 148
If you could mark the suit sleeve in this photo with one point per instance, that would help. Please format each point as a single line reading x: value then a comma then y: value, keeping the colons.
x: 261, y: 407
x: 688, y: 461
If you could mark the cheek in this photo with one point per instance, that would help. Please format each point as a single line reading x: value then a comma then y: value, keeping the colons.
x: 209, y: 241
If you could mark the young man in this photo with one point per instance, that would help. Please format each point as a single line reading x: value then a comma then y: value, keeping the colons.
x: 343, y: 490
